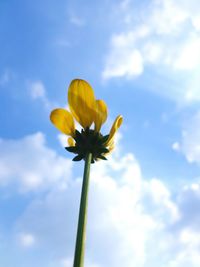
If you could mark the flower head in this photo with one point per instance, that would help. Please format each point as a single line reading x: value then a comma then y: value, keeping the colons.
x: 86, y: 110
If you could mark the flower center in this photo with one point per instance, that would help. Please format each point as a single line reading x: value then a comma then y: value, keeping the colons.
x: 89, y: 141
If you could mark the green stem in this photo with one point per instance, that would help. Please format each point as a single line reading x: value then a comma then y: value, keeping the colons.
x: 81, y: 231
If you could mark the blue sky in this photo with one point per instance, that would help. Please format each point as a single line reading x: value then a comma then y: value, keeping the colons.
x: 143, y: 59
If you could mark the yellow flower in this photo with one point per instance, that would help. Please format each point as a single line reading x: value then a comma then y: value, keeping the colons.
x: 86, y: 110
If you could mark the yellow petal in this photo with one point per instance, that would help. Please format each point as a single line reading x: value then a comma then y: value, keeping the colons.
x: 111, y: 145
x: 63, y: 120
x: 71, y: 141
x: 117, y: 123
x: 100, y: 114
x: 82, y: 102
x: 110, y: 148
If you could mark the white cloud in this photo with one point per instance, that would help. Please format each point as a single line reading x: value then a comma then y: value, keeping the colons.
x: 37, y: 91
x: 62, y: 138
x: 165, y: 36
x: 189, y: 57
x: 66, y: 262
x: 125, y: 58
x: 190, y: 141
x: 26, y: 239
x: 29, y: 165
x: 129, y: 64
x: 132, y: 221
x: 176, y: 146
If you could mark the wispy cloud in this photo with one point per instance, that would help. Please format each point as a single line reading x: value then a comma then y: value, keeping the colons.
x: 30, y: 170
x: 37, y: 91
x: 163, y: 35
x: 5, y: 77
x: 189, y: 145
x: 26, y: 239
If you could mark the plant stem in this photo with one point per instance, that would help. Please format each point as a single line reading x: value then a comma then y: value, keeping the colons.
x: 81, y: 231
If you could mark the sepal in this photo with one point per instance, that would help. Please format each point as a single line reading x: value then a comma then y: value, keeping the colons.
x: 102, y: 157
x: 78, y: 158
x: 72, y: 149
x: 104, y: 139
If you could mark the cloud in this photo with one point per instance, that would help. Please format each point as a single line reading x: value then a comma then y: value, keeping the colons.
x: 62, y: 138
x: 66, y: 262
x: 26, y: 239
x: 130, y: 64
x: 124, y: 59
x: 163, y: 35
x: 37, y: 91
x: 189, y: 145
x: 29, y: 165
x: 131, y: 221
